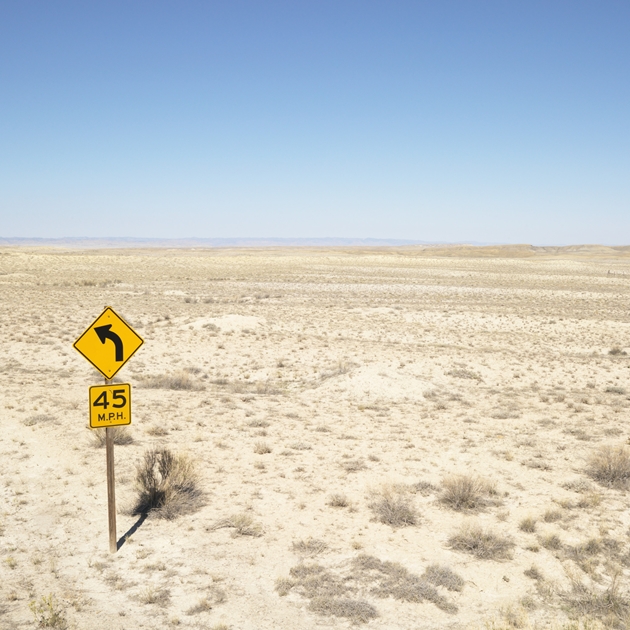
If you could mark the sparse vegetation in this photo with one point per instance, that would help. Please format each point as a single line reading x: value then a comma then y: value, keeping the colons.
x: 335, y: 594
x: 482, y: 543
x: 167, y: 484
x: 391, y: 579
x: 538, y: 331
x: 49, y: 613
x: 608, y: 604
x: 179, y: 381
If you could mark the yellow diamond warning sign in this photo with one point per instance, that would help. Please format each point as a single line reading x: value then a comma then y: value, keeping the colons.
x: 110, y: 405
x: 108, y: 343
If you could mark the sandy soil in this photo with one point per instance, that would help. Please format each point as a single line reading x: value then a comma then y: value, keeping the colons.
x: 370, y: 374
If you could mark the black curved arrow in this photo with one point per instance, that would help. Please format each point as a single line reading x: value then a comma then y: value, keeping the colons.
x: 104, y: 332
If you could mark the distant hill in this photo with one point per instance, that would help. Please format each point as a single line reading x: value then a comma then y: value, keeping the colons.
x: 206, y: 242
x: 411, y: 247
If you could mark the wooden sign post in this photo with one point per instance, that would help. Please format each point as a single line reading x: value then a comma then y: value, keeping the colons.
x: 108, y: 344
x: 111, y: 486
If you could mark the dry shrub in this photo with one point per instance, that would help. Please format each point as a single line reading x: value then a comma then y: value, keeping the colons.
x: 610, y: 466
x: 481, y: 543
x: 467, y: 492
x: 243, y: 525
x: 167, y: 484
x: 392, y: 506
x: 179, y: 380
x: 357, y: 610
x: 120, y: 436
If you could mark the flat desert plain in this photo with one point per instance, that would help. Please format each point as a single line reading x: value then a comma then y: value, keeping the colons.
x: 400, y: 438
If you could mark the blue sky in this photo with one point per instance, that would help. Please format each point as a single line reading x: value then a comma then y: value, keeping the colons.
x: 439, y: 121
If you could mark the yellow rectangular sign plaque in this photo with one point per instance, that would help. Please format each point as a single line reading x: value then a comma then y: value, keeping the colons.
x: 108, y: 343
x: 110, y: 405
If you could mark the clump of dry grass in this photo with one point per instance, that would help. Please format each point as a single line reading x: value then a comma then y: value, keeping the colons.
x: 616, y: 389
x: 40, y: 418
x: 610, y: 466
x: 528, y: 524
x: 467, y: 492
x: 534, y: 573
x: 357, y: 610
x: 213, y: 598
x: 159, y: 596
x: 120, y: 436
x: 353, y: 465
x: 551, y: 541
x: 552, y: 515
x: 338, y: 500
x: 179, y: 380
x: 464, y: 373
x: 617, y: 351
x: 309, y: 548
x: 262, y: 448
x: 167, y: 484
x: 243, y: 525
x: 392, y: 506
x: 481, y: 543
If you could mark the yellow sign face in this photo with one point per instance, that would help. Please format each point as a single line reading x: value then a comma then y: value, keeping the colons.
x: 110, y: 405
x: 108, y: 343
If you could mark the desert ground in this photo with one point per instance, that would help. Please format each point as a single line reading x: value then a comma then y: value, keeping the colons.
x: 395, y: 438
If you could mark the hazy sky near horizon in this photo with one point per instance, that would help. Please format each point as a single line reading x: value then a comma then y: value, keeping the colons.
x: 487, y: 121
